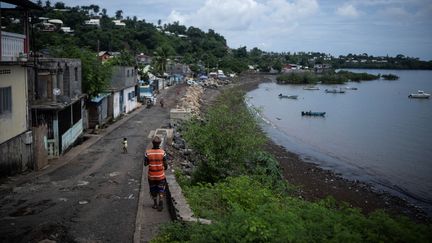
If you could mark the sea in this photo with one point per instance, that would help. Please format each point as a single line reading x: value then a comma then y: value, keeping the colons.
x: 374, y: 134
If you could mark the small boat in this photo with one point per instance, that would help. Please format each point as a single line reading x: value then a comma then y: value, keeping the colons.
x: 288, y: 96
x: 350, y: 88
x: 335, y: 91
x: 311, y: 88
x: 419, y: 95
x: 312, y: 113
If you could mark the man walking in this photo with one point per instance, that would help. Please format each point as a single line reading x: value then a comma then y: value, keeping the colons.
x: 155, y: 158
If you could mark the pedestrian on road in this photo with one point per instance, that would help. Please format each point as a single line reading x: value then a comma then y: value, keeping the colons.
x: 125, y: 145
x: 155, y: 158
x: 161, y: 101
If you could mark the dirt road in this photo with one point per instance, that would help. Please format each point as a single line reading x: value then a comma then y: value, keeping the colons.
x: 93, y: 197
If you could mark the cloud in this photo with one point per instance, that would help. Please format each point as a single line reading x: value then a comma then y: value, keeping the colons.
x: 220, y: 14
x: 245, y: 14
x: 347, y: 10
x: 397, y: 13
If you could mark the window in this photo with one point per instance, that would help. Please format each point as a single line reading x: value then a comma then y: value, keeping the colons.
x: 5, y: 71
x: 128, y: 73
x: 131, y: 95
x: 76, y: 73
x: 5, y: 100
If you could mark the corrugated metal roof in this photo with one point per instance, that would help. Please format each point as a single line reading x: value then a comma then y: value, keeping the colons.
x: 100, y: 97
x: 24, y: 4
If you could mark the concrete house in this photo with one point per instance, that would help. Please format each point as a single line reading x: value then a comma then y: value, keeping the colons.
x: 16, y: 142
x: 175, y: 68
x: 143, y: 59
x: 123, y: 88
x: 56, y: 104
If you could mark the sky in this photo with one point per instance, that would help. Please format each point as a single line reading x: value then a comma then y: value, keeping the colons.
x: 375, y: 27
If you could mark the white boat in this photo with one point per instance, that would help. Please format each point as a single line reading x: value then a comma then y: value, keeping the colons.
x: 311, y: 88
x: 350, y: 88
x: 419, y: 95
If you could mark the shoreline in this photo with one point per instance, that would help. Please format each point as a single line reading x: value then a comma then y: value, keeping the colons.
x: 315, y: 183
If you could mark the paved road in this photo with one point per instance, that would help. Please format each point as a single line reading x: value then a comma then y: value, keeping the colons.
x: 93, y: 197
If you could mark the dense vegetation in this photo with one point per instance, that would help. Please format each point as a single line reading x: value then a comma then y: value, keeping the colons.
x: 390, y: 77
x: 239, y: 187
x: 366, y: 61
x: 330, y: 77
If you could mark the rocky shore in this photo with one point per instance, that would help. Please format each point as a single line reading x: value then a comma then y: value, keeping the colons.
x: 314, y: 183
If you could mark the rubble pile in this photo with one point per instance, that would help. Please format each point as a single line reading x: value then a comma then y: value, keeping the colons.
x: 214, y: 83
x: 191, y: 100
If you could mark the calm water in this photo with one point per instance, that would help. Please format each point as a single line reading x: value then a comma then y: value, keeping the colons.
x: 375, y: 134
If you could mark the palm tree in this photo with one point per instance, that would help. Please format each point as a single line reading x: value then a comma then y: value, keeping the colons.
x: 160, y: 59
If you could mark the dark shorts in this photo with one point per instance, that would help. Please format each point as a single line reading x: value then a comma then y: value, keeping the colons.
x: 157, y: 186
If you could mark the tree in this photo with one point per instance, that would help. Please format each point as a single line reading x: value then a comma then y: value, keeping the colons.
x: 47, y: 4
x: 240, y: 52
x: 124, y: 59
x: 95, y: 8
x: 119, y: 14
x: 39, y: 3
x: 160, y: 59
x: 59, y: 5
x: 95, y: 75
x: 104, y: 12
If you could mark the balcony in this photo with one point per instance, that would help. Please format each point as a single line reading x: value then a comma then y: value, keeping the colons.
x: 12, y: 45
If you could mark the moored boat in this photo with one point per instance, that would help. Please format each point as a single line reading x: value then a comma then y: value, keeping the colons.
x: 311, y: 88
x: 350, y: 88
x: 312, y: 113
x: 419, y: 95
x: 335, y: 91
x: 288, y: 96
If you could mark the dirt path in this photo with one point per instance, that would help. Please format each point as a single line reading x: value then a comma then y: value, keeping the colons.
x: 93, y: 197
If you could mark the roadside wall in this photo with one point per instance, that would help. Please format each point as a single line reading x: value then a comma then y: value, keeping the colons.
x: 40, y: 146
x: 16, y: 154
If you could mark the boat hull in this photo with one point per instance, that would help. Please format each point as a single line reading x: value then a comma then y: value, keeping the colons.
x: 416, y: 96
x: 311, y: 113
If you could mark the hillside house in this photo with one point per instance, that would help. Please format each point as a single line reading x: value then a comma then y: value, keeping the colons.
x: 57, y: 103
x: 143, y: 59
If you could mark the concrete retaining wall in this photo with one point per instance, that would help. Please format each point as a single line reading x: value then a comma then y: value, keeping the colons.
x: 16, y: 154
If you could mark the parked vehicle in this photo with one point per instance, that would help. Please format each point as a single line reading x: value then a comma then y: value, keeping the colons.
x: 419, y: 95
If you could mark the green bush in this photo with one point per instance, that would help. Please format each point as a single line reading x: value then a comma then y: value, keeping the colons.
x: 226, y: 139
x: 358, y: 76
x: 245, y: 210
x: 390, y: 76
x: 326, y: 78
x: 297, y: 78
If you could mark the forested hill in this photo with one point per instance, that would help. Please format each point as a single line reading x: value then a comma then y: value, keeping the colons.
x: 137, y: 36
